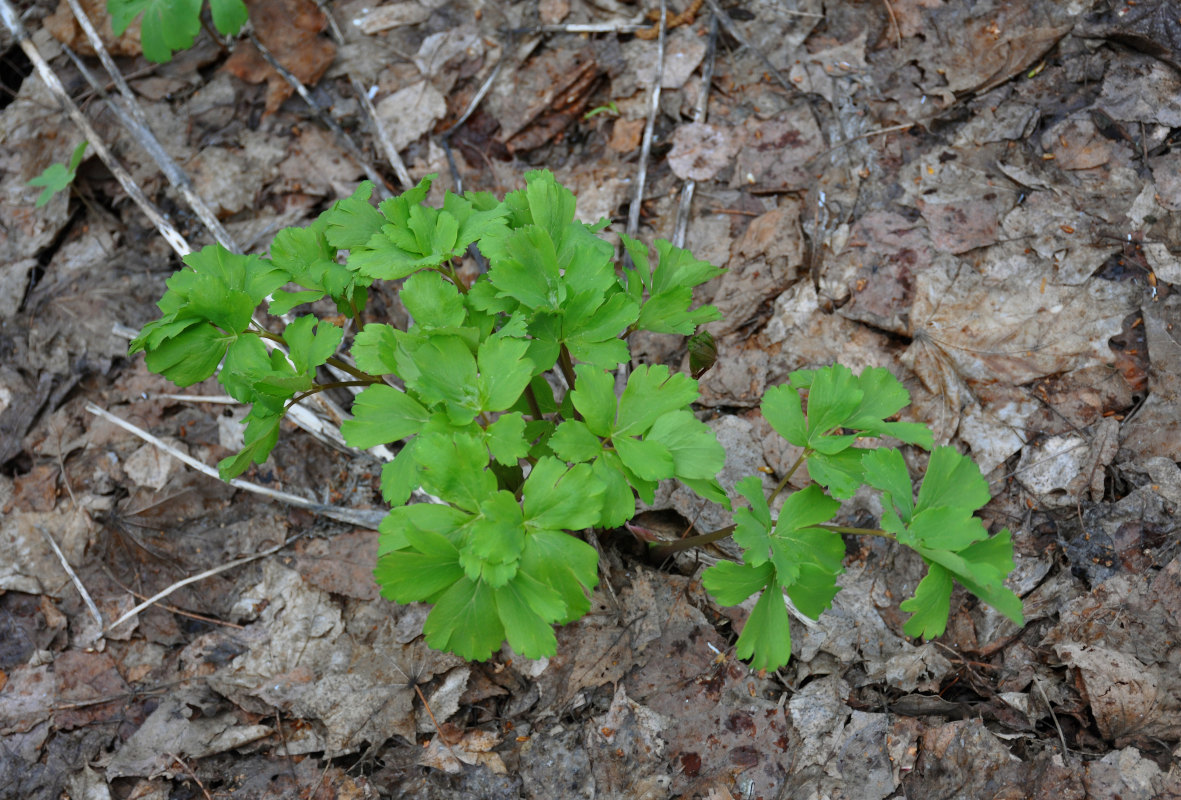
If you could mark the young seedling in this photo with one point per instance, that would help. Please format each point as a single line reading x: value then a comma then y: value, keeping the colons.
x: 58, y: 177
x: 525, y: 471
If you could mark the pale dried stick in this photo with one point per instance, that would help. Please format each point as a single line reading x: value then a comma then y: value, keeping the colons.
x: 361, y: 517
x: 379, y: 129
x: 633, y: 213
x: 345, y: 140
x: 171, y: 235
x: 593, y: 27
x: 209, y: 573
x: 90, y: 606
x: 383, y: 136
x: 702, y: 114
x: 132, y: 116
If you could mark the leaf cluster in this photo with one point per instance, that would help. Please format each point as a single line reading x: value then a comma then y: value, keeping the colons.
x: 500, y: 394
x: 170, y: 25
x: 505, y: 402
x: 800, y: 553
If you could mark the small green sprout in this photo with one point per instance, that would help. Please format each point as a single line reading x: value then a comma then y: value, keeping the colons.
x: 57, y: 176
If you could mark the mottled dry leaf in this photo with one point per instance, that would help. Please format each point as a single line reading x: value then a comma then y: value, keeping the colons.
x: 1125, y: 695
x: 452, y: 748
x: 625, y: 135
x: 290, y: 29
x: 961, y: 225
x: 411, y: 111
x: 394, y: 15
x: 701, y: 150
x: 1156, y: 428
x: 65, y: 28
x: 1153, y: 27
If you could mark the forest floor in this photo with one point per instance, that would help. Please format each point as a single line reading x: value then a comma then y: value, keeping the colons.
x: 980, y: 196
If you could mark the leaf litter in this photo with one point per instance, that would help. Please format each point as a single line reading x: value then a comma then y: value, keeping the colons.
x: 979, y: 197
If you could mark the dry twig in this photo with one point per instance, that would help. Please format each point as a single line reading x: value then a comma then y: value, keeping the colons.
x: 171, y: 235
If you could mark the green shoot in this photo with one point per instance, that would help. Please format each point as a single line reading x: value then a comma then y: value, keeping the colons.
x: 58, y: 177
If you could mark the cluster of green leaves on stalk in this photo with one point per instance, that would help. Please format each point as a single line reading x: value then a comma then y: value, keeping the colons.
x: 168, y: 25
x: 502, y: 396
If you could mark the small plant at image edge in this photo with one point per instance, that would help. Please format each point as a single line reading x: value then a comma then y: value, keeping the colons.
x: 502, y: 395
x: 170, y: 25
x: 57, y: 176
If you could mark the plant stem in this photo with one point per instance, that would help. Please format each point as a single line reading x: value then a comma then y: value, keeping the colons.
x: 534, y: 406
x: 454, y: 276
x: 783, y: 483
x: 358, y: 323
x: 668, y: 549
x: 322, y: 386
x: 365, y: 377
x: 567, y: 365
x: 857, y: 531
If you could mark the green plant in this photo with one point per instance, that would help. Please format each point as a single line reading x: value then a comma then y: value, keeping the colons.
x: 57, y: 177
x: 170, y: 25
x: 503, y: 396
x: 609, y: 108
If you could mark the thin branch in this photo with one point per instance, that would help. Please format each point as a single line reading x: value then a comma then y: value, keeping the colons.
x: 345, y: 140
x: 90, y: 606
x: 361, y: 517
x: 702, y: 114
x: 171, y: 235
x: 132, y: 117
x: 209, y: 573
x: 633, y: 213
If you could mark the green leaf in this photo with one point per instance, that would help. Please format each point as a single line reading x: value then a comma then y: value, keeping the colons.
x: 311, y: 342
x: 441, y: 369
x: 694, y: 447
x: 228, y: 15
x: 929, y: 606
x: 652, y: 392
x: 381, y: 415
x: 565, y: 564
x: 399, y: 478
x: 247, y: 364
x: 504, y: 372
x: 670, y: 288
x: 885, y: 469
x: 840, y: 472
x: 506, y: 438
x: 730, y: 583
x: 952, y: 480
x: 753, y: 525
x: 785, y: 413
x: 167, y: 24
x: 594, y: 397
x: 260, y: 437
x: 352, y: 221
x: 432, y: 301
x: 494, y: 540
x: 464, y: 621
x: 766, y: 637
x: 574, y: 442
x: 527, y: 633
x: 558, y: 498
x: 647, y: 458
x: 619, y: 504
x: 57, y: 177
x: 190, y: 357
x: 375, y: 349
x: 454, y: 468
x: 832, y: 399
x: 528, y: 270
